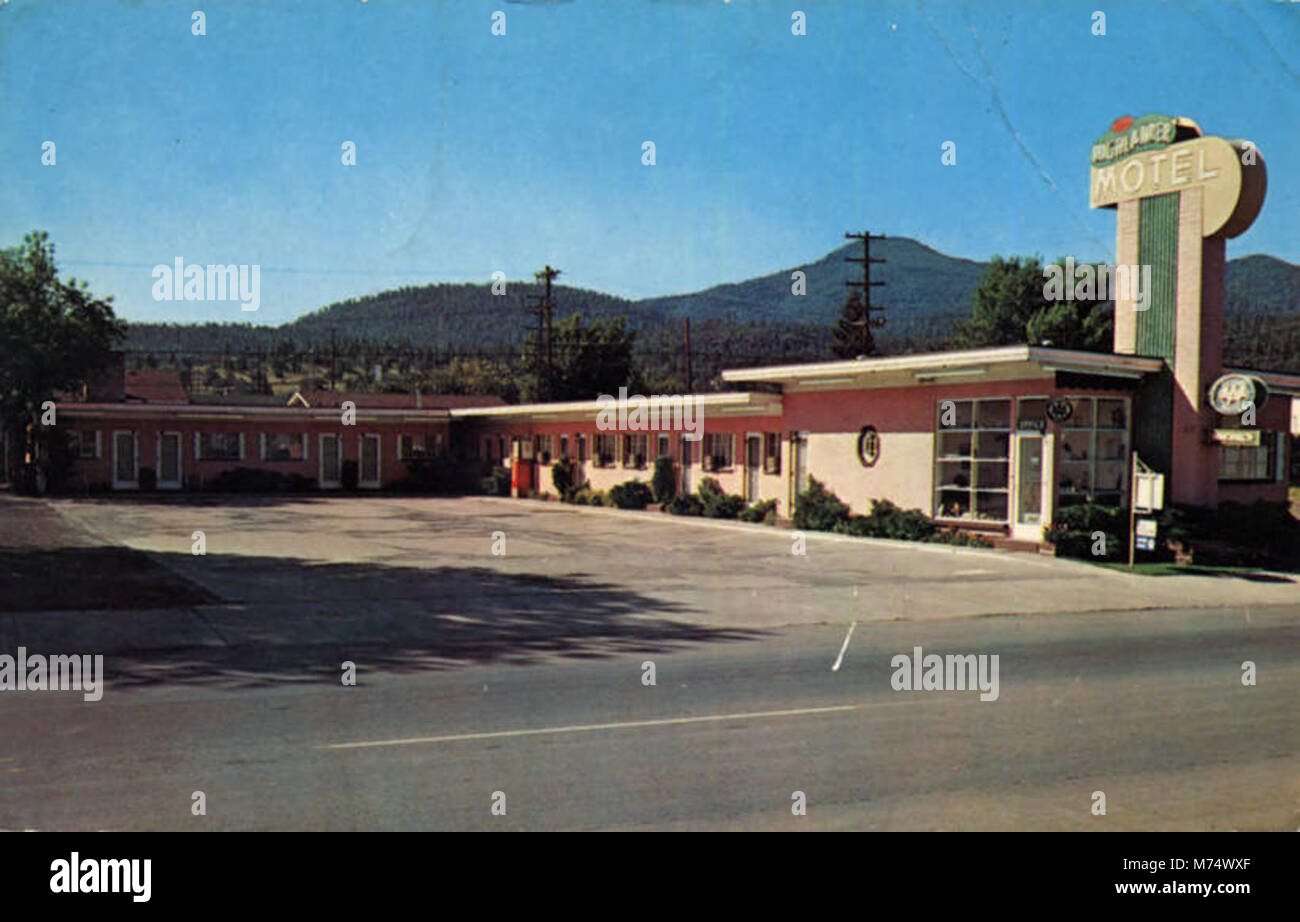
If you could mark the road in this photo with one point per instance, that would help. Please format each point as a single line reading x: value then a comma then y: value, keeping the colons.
x: 456, y: 700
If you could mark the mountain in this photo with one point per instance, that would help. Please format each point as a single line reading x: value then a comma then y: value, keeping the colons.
x: 924, y: 292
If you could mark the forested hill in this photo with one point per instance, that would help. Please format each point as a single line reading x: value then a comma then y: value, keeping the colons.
x: 924, y: 292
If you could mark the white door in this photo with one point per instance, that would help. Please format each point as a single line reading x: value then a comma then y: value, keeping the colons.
x: 798, y: 465
x: 1028, y: 522
x: 126, y: 461
x: 169, y: 460
x: 753, y: 465
x: 331, y: 460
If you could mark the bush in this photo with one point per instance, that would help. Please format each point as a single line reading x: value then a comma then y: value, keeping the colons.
x: 959, y: 538
x: 564, y: 474
x: 664, y: 480
x: 496, y: 482
x: 717, y: 503
x: 1073, y: 531
x: 818, y: 509
x: 764, y: 511
x: 440, y: 474
x: 350, y: 475
x: 686, y: 504
x: 256, y: 480
x: 900, y: 524
x: 632, y: 494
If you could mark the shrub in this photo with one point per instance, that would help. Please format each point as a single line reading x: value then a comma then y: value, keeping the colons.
x: 764, y: 511
x: 958, y: 538
x: 818, y: 509
x: 686, y: 504
x: 564, y: 475
x: 350, y: 475
x: 1072, y: 532
x: 632, y: 494
x: 717, y: 503
x: 664, y: 480
x: 496, y: 482
x: 859, y: 526
x: 251, y: 480
x: 900, y: 524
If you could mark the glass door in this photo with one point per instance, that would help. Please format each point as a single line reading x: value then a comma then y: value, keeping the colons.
x: 1029, y: 486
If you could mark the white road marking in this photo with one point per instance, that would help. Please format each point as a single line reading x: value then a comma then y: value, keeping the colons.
x: 584, y: 728
x: 839, y: 659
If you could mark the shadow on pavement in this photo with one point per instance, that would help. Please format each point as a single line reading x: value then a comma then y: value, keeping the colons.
x: 295, y: 621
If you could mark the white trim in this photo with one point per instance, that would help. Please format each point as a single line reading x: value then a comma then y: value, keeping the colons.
x: 180, y: 461
x: 135, y: 461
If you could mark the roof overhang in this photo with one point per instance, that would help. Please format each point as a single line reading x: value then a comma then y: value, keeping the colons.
x: 735, y: 403
x: 210, y: 412
x: 1000, y: 363
x: 1276, y: 382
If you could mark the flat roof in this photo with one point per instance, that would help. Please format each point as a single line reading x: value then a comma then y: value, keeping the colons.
x: 927, y: 366
x: 739, y: 403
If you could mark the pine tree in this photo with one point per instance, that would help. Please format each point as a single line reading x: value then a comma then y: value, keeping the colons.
x: 852, y: 331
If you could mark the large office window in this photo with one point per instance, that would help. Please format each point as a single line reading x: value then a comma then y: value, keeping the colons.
x: 1094, y: 459
x: 972, y: 459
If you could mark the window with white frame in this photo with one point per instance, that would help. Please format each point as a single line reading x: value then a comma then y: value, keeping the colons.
x: 219, y: 446
x: 972, y: 459
x: 719, y: 451
x: 542, y: 447
x: 581, y: 441
x: 284, y: 446
x: 606, y: 445
x: 85, y: 443
x: 634, y: 450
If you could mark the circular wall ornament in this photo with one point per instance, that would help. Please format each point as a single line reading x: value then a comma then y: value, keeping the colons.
x: 868, y: 446
x: 1059, y: 409
x: 1231, y: 394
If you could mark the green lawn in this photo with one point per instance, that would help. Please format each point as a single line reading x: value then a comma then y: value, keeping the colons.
x: 1174, y: 569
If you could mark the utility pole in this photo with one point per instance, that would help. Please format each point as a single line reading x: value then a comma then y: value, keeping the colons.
x: 545, y: 305
x: 690, y: 388
x: 867, y: 321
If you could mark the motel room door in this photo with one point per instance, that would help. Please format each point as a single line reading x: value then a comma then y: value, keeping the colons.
x: 331, y: 460
x: 1028, y: 522
x: 126, y: 460
x: 685, y: 461
x: 753, y: 465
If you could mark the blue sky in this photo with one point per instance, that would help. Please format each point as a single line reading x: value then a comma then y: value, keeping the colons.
x: 478, y: 153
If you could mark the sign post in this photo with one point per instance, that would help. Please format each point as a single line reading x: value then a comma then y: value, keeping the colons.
x: 1146, y: 494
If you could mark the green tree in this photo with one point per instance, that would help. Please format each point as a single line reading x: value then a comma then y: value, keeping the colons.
x: 53, y: 336
x: 850, y: 337
x: 587, y: 360
x: 1010, y: 306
